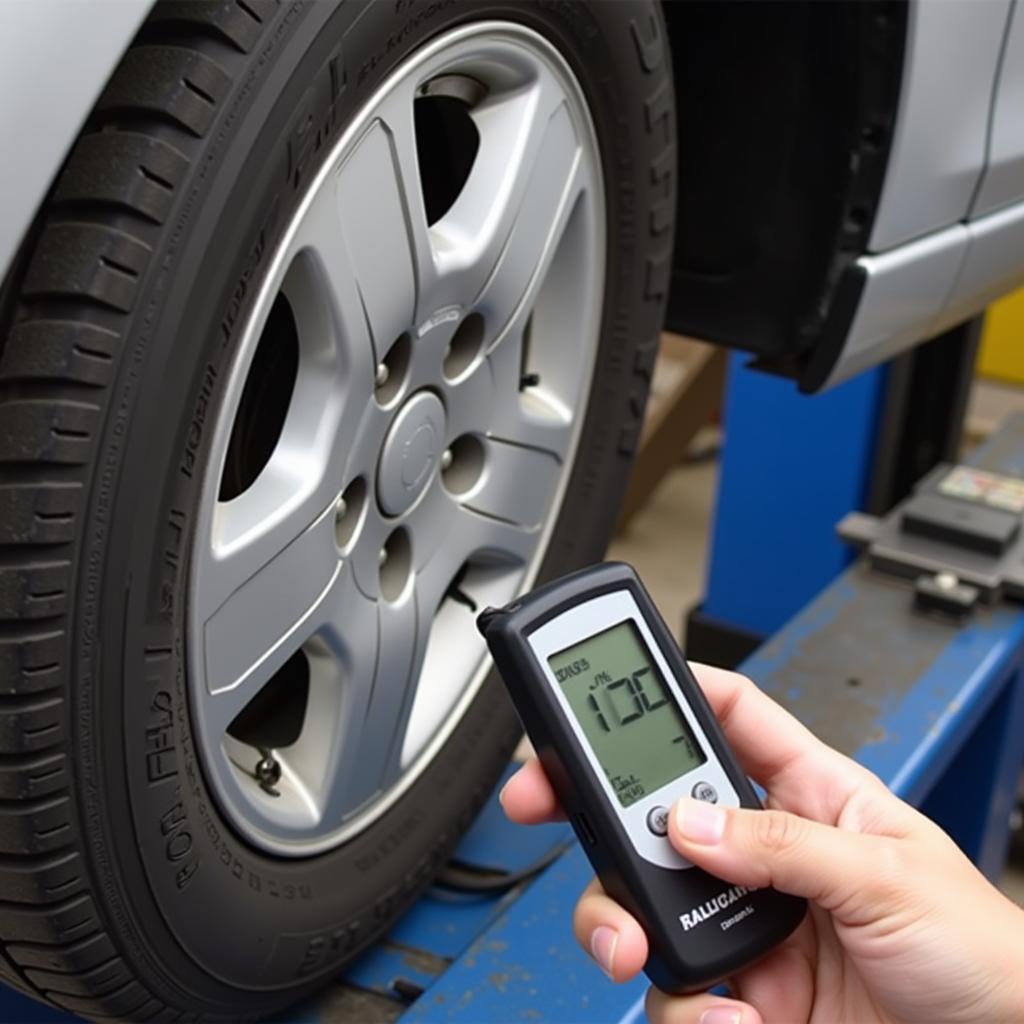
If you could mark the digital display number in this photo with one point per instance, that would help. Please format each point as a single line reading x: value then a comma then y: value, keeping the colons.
x: 637, y: 732
x: 625, y: 708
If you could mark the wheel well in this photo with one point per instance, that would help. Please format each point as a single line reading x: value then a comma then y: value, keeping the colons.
x: 785, y: 115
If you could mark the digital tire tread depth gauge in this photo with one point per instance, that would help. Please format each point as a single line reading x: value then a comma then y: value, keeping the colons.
x: 623, y: 731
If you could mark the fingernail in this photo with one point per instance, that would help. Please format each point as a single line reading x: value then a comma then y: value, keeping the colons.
x: 721, y: 1015
x: 501, y: 796
x: 602, y: 946
x: 700, y: 822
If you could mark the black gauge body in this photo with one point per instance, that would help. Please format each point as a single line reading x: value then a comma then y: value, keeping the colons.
x: 622, y: 730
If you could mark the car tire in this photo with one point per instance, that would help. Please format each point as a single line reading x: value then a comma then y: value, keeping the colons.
x: 127, y: 887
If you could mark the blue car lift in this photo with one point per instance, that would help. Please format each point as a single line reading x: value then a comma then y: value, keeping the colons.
x: 935, y: 707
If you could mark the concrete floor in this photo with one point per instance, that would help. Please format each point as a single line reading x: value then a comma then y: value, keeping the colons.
x: 667, y: 543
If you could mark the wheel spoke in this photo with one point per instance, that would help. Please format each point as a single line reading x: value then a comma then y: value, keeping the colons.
x: 404, y: 632
x: 473, y: 539
x: 530, y: 219
x: 322, y: 287
x: 456, y: 650
x: 322, y: 432
x: 262, y: 622
x: 470, y: 402
x: 497, y: 238
x: 343, y: 659
x: 383, y: 223
x: 401, y: 640
x: 487, y: 554
x: 534, y: 416
x: 490, y: 538
x: 518, y: 485
x: 431, y: 525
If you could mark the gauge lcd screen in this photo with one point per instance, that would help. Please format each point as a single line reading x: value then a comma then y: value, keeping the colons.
x: 632, y: 722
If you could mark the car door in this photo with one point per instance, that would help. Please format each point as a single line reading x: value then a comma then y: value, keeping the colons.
x: 993, y: 260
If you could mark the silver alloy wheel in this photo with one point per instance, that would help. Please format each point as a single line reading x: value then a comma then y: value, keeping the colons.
x: 442, y: 374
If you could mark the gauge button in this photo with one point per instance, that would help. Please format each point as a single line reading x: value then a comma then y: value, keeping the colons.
x: 706, y: 792
x: 657, y: 820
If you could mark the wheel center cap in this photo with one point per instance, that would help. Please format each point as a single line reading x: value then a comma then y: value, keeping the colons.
x: 411, y: 451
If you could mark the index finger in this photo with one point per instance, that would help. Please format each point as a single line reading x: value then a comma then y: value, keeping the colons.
x: 801, y: 773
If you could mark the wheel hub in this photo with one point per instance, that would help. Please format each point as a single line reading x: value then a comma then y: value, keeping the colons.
x: 411, y: 453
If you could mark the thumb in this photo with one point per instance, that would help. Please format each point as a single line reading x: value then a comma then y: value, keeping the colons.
x: 774, y: 848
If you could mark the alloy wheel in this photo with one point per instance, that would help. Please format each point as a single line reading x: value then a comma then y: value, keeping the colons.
x: 399, y: 426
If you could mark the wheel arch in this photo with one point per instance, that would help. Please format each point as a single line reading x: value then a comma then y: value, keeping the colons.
x: 786, y: 114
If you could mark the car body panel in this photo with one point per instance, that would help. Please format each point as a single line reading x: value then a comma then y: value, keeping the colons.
x: 963, y: 87
x: 904, y: 291
x: 1003, y: 182
x: 993, y: 265
x: 938, y: 152
x: 918, y: 290
x: 55, y: 59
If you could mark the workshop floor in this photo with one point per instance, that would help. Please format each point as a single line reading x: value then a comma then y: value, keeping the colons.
x: 667, y: 543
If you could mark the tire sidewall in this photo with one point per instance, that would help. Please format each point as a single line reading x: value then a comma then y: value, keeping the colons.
x: 191, y: 898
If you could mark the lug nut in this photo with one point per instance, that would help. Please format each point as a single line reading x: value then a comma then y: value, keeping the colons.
x: 395, y: 564
x: 348, y: 513
x: 381, y: 377
x: 446, y: 458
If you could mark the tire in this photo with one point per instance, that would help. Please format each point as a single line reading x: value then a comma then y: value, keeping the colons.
x: 126, y: 890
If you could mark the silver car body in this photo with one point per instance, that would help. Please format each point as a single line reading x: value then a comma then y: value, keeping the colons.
x: 949, y: 231
x: 948, y: 235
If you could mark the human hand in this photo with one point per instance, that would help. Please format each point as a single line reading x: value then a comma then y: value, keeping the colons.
x: 902, y: 926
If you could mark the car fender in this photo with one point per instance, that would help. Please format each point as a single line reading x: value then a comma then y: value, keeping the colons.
x: 55, y: 59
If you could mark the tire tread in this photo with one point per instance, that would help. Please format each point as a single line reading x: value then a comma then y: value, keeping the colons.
x: 91, y: 251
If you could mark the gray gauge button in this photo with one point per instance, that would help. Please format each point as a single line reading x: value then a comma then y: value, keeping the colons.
x: 706, y: 792
x: 657, y: 820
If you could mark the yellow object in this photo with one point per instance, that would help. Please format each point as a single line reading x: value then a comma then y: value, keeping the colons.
x: 1001, y: 356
